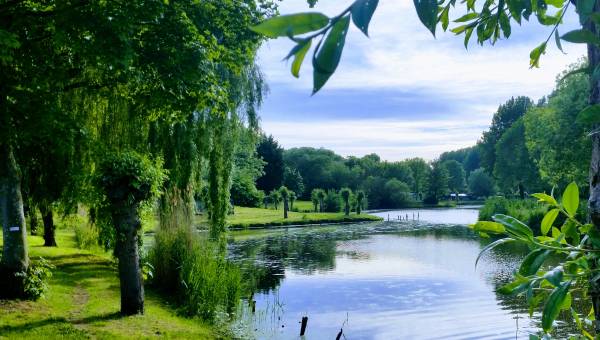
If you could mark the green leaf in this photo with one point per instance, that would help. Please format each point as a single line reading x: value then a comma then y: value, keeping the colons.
x: 570, y: 199
x: 444, y: 18
x: 505, y: 24
x: 589, y: 115
x: 491, y: 246
x: 542, y: 197
x: 533, y: 261
x: 488, y: 227
x: 327, y: 57
x: 467, y: 17
x: 427, y: 11
x: 517, y: 286
x: 553, y: 305
x: 581, y: 36
x: 291, y: 24
x: 459, y: 29
x: 514, y: 227
x: 468, y: 33
x: 536, y: 53
x: 554, y: 276
x: 299, y: 56
x: 516, y: 8
x: 362, y: 12
x: 548, y: 220
x: 557, y: 41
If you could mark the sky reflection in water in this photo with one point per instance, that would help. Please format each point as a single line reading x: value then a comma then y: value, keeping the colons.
x: 392, y: 280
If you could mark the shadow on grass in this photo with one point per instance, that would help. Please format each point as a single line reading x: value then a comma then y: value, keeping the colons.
x: 55, y: 321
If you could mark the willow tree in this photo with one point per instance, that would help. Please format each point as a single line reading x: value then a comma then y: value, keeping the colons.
x: 346, y: 193
x: 486, y: 21
x: 285, y: 197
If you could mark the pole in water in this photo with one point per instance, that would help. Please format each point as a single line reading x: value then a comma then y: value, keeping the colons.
x: 339, y: 335
x: 303, y: 325
x: 388, y: 217
x: 253, y: 306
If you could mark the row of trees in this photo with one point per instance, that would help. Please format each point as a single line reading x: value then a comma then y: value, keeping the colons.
x: 114, y: 104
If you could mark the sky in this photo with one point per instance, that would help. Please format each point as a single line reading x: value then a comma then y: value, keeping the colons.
x: 402, y: 93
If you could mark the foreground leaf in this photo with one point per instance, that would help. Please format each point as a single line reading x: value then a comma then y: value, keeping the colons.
x: 570, y: 199
x: 491, y: 246
x: 548, y: 220
x: 554, y: 304
x: 427, y: 11
x: 514, y: 227
x: 292, y: 24
x: 329, y: 54
x: 362, y: 12
x: 533, y: 261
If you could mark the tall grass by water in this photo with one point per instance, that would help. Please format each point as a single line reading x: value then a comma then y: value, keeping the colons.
x: 193, y: 270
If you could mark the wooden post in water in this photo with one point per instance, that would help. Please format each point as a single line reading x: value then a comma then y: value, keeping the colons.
x: 339, y: 335
x: 253, y: 306
x: 303, y: 325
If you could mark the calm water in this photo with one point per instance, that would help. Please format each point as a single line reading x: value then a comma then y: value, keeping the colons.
x: 389, y: 280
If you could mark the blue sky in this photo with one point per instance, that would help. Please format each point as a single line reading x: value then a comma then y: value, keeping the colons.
x: 401, y: 93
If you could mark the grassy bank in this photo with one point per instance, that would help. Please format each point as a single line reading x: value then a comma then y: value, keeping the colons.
x: 83, y: 302
x: 261, y: 218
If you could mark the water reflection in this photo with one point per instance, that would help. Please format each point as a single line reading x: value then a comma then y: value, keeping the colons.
x: 391, y: 280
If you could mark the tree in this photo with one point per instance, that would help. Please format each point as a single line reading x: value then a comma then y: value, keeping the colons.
x: 514, y: 167
x: 346, y: 193
x: 488, y: 21
x: 420, y: 171
x: 285, y: 196
x: 293, y: 198
x: 360, y: 196
x: 321, y: 196
x: 480, y: 183
x: 314, y: 197
x: 456, y: 176
x: 293, y: 180
x: 438, y: 182
x: 396, y: 194
x: 507, y: 114
x: 275, y: 198
x: 272, y: 154
x: 556, y: 140
x: 127, y: 181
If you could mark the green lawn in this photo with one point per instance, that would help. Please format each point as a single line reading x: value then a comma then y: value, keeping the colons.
x: 83, y: 302
x: 305, y: 206
x: 258, y: 217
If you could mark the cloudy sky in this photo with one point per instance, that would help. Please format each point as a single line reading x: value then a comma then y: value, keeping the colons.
x: 401, y: 93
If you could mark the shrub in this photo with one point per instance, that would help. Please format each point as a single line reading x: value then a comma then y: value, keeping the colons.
x: 34, y: 279
x: 527, y: 211
x: 86, y: 236
x: 245, y: 194
x: 191, y: 269
x: 333, y: 201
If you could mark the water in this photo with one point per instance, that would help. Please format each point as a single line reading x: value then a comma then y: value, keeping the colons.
x: 390, y: 280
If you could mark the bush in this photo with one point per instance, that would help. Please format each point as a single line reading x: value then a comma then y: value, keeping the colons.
x: 192, y: 270
x: 245, y: 194
x: 86, y: 236
x: 528, y: 211
x: 34, y: 280
x: 333, y: 201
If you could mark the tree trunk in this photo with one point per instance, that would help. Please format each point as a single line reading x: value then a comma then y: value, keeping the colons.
x: 127, y: 224
x: 347, y: 208
x: 594, y: 200
x: 521, y: 191
x: 49, y: 228
x: 358, y: 207
x: 285, y: 208
x: 320, y: 205
x: 14, y: 234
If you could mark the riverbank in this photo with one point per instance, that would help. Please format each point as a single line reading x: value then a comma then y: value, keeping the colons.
x: 253, y: 218
x: 83, y: 302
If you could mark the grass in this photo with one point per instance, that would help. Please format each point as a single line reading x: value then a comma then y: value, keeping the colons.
x: 260, y: 218
x: 83, y: 301
x: 304, y: 206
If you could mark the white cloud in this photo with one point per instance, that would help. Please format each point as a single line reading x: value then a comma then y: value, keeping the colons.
x: 402, y: 55
x: 391, y: 139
